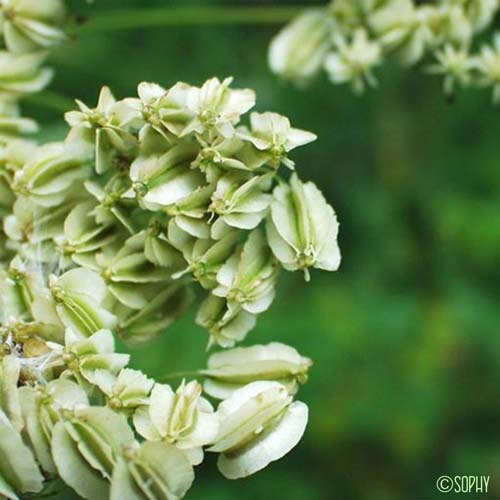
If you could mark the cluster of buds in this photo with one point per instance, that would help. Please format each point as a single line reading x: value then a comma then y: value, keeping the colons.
x: 147, y: 195
x: 350, y: 38
x: 109, y: 431
x: 28, y: 29
x: 105, y: 234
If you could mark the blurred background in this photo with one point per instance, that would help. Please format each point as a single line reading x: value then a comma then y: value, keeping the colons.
x: 405, y: 337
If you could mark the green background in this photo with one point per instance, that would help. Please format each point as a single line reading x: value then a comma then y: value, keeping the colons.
x: 405, y: 337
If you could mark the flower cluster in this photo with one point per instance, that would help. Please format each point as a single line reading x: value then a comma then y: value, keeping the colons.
x: 350, y: 38
x: 28, y: 29
x: 105, y: 233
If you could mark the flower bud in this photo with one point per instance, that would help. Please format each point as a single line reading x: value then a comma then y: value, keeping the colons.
x: 106, y: 128
x: 32, y: 24
x: 259, y: 424
x: 19, y: 471
x: 302, y: 228
x: 183, y: 418
x: 87, y: 358
x: 230, y: 370
x: 42, y: 408
x: 128, y: 391
x: 298, y: 51
x: 76, y: 299
x: 225, y: 326
x: 22, y: 74
x: 86, y: 446
x: 152, y: 470
x: 248, y: 277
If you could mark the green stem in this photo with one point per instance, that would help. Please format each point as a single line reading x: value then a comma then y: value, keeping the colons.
x: 51, y: 100
x: 126, y: 19
x: 177, y: 375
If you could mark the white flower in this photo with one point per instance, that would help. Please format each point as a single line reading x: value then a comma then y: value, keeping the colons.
x: 229, y: 370
x: 455, y: 64
x: 75, y: 299
x: 248, y: 277
x: 127, y: 391
x: 302, y: 228
x: 480, y: 13
x: 152, y: 468
x: 298, y: 51
x: 182, y: 418
x: 28, y: 25
x: 488, y: 66
x: 354, y: 62
x: 163, y: 110
x: 260, y: 423
x: 218, y: 107
x: 90, y: 357
x: 23, y: 73
x: 273, y: 133
x: 106, y: 128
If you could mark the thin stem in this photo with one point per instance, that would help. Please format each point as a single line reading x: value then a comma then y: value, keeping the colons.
x: 51, y: 100
x: 177, y: 375
x: 126, y: 19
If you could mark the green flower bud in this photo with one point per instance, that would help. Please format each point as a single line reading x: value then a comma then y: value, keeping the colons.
x: 84, y: 235
x: 230, y: 370
x: 226, y: 326
x: 90, y: 357
x: 75, y: 299
x: 129, y: 272
x: 164, y: 304
x: 204, y: 256
x: 165, y: 180
x: 18, y: 470
x: 31, y: 223
x: 86, y: 446
x: 42, y: 408
x: 152, y: 470
x: 49, y: 177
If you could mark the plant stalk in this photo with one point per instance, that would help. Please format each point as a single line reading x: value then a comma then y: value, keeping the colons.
x: 127, y: 19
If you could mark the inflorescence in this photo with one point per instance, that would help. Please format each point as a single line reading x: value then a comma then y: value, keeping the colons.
x: 349, y: 39
x: 104, y: 234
